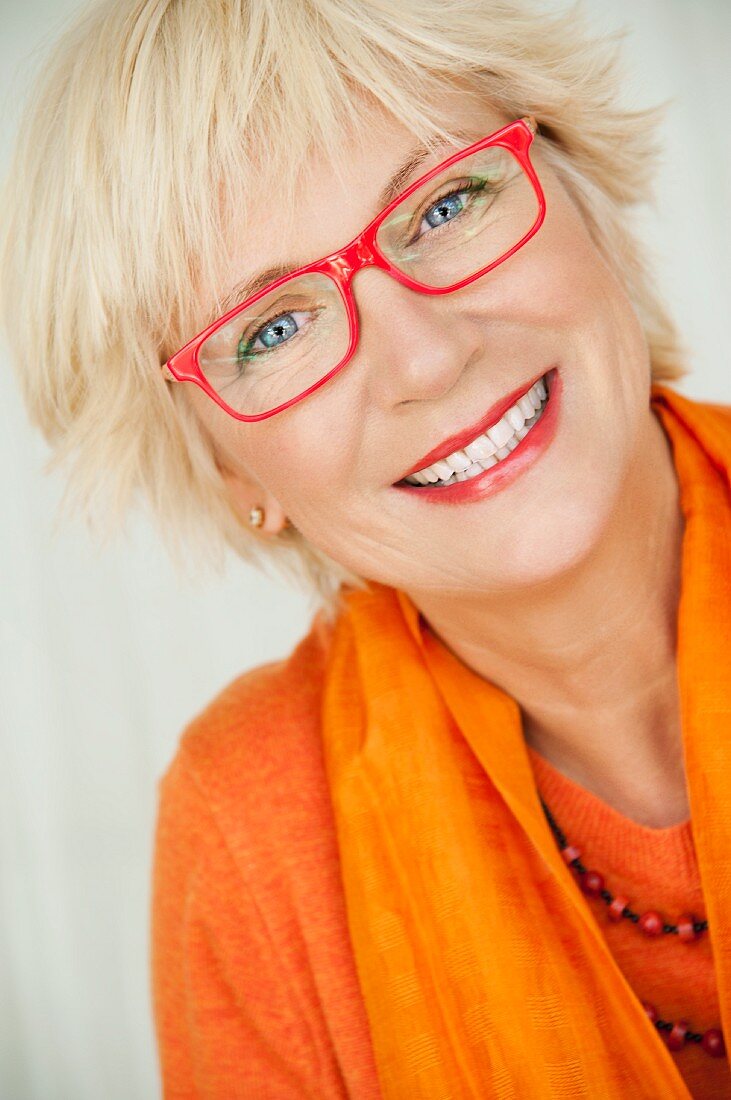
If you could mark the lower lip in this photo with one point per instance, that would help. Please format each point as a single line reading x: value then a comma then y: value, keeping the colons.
x: 508, y: 469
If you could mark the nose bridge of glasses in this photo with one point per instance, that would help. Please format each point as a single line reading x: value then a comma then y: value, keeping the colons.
x: 352, y: 258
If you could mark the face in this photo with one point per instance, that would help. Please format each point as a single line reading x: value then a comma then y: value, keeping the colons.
x: 427, y: 368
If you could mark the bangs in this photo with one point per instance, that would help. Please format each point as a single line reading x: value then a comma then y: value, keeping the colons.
x: 252, y: 93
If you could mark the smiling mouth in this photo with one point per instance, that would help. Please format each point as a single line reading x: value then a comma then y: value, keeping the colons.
x: 490, y: 447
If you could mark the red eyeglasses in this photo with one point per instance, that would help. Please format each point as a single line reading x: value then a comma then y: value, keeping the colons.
x: 285, y: 340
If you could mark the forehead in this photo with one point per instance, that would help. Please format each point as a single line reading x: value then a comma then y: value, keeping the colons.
x: 331, y: 202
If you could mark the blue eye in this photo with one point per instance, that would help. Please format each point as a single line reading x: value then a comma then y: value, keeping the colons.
x: 448, y: 207
x: 273, y: 334
x: 277, y: 331
x: 444, y: 210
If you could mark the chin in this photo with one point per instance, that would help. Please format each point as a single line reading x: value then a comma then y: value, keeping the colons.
x: 543, y: 552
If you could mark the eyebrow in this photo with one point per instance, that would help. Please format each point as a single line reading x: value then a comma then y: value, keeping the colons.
x: 396, y: 183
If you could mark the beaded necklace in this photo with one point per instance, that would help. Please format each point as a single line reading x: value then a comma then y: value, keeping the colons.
x: 675, y: 1033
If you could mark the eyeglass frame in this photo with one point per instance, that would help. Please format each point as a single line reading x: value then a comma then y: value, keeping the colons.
x: 363, y: 251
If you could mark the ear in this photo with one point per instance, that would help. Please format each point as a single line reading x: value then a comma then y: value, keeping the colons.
x: 245, y: 494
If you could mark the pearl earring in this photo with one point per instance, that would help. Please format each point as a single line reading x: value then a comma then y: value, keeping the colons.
x: 256, y: 516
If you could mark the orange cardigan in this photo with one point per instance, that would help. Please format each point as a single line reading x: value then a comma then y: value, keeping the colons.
x: 254, y: 985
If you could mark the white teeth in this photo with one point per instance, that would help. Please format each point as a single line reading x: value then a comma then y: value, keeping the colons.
x: 487, y: 450
x: 474, y: 469
x: 458, y: 461
x: 481, y: 450
x: 526, y: 407
x: 501, y: 432
x: 443, y: 470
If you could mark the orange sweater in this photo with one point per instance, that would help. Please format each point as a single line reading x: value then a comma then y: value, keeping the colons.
x: 255, y: 990
x: 655, y: 869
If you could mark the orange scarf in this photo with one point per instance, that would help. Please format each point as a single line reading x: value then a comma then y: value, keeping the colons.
x: 483, y: 969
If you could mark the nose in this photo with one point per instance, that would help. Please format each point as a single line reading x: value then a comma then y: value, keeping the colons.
x: 412, y: 346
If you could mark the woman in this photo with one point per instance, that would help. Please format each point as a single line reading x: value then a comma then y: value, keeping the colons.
x: 354, y: 288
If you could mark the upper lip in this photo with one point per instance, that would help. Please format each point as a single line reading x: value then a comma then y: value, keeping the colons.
x: 466, y: 435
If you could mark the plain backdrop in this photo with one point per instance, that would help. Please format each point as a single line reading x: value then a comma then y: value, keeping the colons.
x: 105, y: 655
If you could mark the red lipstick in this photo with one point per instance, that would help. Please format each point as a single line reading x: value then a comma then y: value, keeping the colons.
x: 461, y: 439
x: 502, y: 474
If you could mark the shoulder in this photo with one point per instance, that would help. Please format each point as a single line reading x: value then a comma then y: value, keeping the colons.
x: 691, y: 407
x: 254, y: 755
x: 259, y: 710
x: 708, y: 421
x: 251, y: 957
x: 714, y: 411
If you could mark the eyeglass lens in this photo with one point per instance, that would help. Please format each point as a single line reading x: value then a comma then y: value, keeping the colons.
x: 461, y: 221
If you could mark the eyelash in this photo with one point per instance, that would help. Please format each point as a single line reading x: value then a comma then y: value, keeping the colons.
x: 280, y: 312
x: 471, y: 185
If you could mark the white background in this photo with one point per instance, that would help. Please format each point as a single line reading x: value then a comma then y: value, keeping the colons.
x: 105, y: 656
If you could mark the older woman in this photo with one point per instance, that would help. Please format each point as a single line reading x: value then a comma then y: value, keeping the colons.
x: 353, y: 287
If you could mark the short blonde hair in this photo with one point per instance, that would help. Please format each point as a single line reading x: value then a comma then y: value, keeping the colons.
x: 144, y: 135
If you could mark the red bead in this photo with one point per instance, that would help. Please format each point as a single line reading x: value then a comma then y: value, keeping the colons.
x: 615, y: 909
x: 592, y: 883
x: 650, y: 1010
x: 651, y: 923
x: 675, y: 1040
x: 570, y: 853
x: 712, y: 1042
x: 686, y: 931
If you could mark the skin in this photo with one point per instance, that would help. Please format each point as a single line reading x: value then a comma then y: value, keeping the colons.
x: 563, y: 587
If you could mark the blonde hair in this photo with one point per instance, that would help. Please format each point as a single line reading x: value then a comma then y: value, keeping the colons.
x: 150, y: 124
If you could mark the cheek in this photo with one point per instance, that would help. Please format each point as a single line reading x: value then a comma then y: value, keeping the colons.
x: 307, y: 457
x: 570, y: 281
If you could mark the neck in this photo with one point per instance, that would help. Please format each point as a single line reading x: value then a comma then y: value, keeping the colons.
x: 591, y: 657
